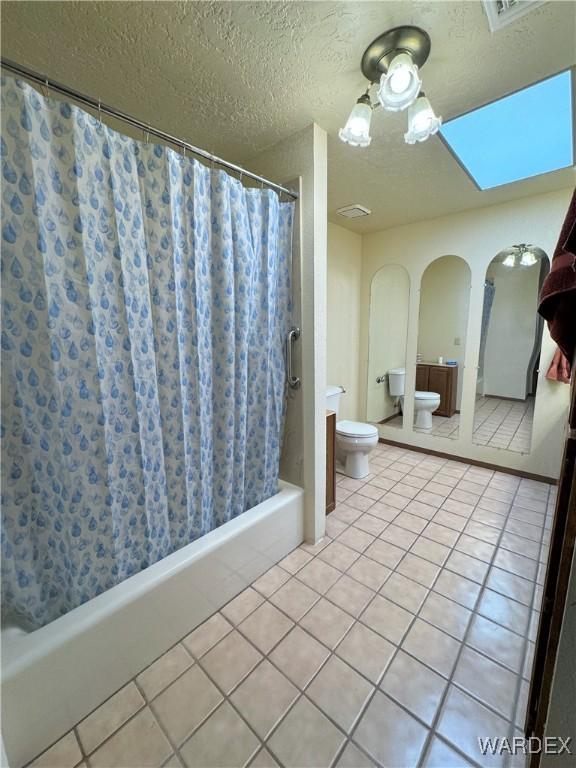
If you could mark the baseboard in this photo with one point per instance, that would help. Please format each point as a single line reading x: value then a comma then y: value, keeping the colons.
x: 474, y: 462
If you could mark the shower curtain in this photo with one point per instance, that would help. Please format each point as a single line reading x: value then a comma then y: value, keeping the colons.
x: 145, y: 303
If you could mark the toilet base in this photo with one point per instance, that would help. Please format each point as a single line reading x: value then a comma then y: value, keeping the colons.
x: 355, y: 465
x: 423, y: 420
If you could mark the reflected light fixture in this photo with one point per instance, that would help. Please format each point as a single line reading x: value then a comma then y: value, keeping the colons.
x: 393, y: 62
x: 422, y: 122
x: 521, y: 255
x: 356, y: 132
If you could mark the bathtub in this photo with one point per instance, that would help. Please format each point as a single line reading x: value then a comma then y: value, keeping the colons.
x: 56, y: 675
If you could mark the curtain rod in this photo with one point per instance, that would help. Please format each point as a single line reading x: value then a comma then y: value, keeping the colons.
x: 96, y: 104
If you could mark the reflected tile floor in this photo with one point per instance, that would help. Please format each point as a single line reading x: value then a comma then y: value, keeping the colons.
x: 398, y: 640
x: 498, y: 423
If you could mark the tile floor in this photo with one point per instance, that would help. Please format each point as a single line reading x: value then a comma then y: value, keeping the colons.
x: 396, y: 641
x: 498, y: 423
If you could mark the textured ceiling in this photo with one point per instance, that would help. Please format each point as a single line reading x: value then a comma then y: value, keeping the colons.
x: 236, y: 77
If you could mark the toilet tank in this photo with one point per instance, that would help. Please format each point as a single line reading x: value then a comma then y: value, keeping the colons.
x: 396, y: 378
x: 333, y: 394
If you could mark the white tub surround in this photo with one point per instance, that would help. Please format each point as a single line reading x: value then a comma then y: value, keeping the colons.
x: 53, y: 677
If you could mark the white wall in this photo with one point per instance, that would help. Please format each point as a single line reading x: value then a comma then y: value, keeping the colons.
x: 343, y: 313
x: 304, y: 156
x: 511, y: 330
x: 444, y: 310
x: 476, y: 236
x: 388, y: 334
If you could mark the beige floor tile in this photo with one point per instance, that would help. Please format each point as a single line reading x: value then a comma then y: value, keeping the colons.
x: 349, y: 595
x: 497, y: 642
x: 458, y: 507
x: 413, y: 685
x: 352, y: 757
x: 430, y: 550
x: 389, y: 734
x: 398, y: 536
x: 463, y: 719
x: 366, y: 651
x: 369, y: 572
x: 359, y: 502
x: 440, y: 755
x: 207, y: 635
x: 432, y: 499
x: 411, y: 522
x: 242, y: 605
x: 395, y: 500
x: 356, y: 539
x: 109, y: 717
x: 230, y: 661
x: 370, y: 524
x: 467, y: 566
x: 404, y: 592
x: 489, y: 682
x: 327, y: 622
x: 481, y: 531
x: 420, y: 509
x: 183, y: 706
x: 371, y: 491
x: 339, y: 555
x: 510, y: 585
x: 271, y: 581
x: 385, y: 553
x: 264, y: 760
x: 384, y: 512
x: 418, y: 569
x: 295, y: 599
x: 64, y: 754
x: 520, y: 545
x: 344, y: 513
x: 140, y: 743
x: 449, y: 520
x: 457, y: 588
x: 223, y: 741
x: 315, y: 549
x: 476, y: 548
x: 267, y: 625
x: 432, y: 646
x: 340, y: 692
x: 173, y: 762
x: 319, y: 575
x: 503, y: 610
x: 441, y: 534
x: 264, y: 697
x: 299, y: 656
x: 295, y: 560
x: 517, y: 564
x: 306, y: 738
x: 446, y: 615
x: 387, y: 618
x: 334, y: 527
x: 164, y: 671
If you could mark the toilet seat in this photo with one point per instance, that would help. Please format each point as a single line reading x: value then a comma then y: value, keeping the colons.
x: 421, y: 395
x: 356, y: 429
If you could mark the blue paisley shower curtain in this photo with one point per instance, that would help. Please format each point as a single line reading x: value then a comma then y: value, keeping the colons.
x: 145, y: 301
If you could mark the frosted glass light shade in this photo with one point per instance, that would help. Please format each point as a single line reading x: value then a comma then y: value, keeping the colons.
x: 422, y: 122
x: 400, y: 85
x: 356, y: 132
x: 509, y: 261
x: 528, y: 259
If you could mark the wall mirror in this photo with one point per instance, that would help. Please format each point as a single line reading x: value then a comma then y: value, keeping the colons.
x: 443, y: 323
x: 387, y: 336
x: 510, y: 341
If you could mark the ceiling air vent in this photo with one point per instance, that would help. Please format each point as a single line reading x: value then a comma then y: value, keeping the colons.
x: 503, y: 12
x: 353, y: 211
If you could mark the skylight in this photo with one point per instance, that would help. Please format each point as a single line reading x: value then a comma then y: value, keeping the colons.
x: 525, y: 134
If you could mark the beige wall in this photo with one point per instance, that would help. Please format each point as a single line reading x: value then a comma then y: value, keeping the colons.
x: 476, y: 236
x: 343, y: 318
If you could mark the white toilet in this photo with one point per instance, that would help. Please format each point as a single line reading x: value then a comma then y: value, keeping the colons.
x: 354, y: 440
x: 425, y: 403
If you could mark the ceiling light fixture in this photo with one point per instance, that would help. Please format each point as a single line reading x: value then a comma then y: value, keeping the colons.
x: 356, y: 132
x: 422, y: 122
x: 393, y: 60
x: 521, y: 255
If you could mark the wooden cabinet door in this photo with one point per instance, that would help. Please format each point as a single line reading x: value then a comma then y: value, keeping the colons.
x: 439, y: 381
x: 330, y: 461
x: 422, y: 377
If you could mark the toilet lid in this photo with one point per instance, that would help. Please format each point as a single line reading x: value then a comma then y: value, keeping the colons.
x: 425, y: 395
x: 355, y: 429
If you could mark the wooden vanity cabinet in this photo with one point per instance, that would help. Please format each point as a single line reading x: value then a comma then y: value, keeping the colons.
x: 443, y: 379
x: 330, y: 461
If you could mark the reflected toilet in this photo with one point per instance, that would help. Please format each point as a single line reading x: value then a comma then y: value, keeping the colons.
x: 425, y: 403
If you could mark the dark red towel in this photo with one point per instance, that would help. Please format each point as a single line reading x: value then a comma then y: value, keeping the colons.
x: 558, y: 294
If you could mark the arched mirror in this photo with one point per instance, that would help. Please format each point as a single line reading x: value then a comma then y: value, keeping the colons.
x: 443, y: 324
x: 510, y: 341
x: 388, y: 331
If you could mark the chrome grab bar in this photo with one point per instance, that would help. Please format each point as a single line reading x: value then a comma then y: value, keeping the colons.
x: 293, y: 334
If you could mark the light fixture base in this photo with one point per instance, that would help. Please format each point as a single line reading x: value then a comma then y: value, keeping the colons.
x: 379, y: 54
